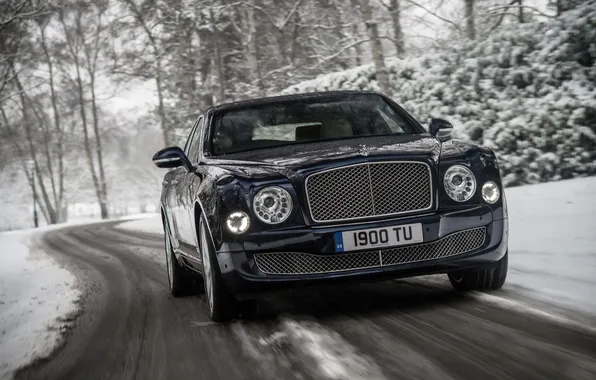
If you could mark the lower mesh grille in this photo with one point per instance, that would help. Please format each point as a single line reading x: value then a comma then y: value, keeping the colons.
x: 292, y: 263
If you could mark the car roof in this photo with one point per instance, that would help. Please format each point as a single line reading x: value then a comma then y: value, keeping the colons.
x: 283, y: 98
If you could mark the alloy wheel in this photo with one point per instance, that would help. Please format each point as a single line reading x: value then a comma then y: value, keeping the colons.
x: 169, y: 262
x: 207, y: 270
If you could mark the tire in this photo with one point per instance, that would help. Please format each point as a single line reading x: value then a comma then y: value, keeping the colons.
x: 180, y: 280
x: 483, y: 279
x: 221, y: 303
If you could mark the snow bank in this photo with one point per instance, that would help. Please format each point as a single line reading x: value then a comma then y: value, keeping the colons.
x: 528, y: 92
x: 151, y: 225
x: 37, y: 297
x: 552, y: 244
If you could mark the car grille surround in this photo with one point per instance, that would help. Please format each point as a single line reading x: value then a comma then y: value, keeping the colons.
x: 297, y: 263
x: 369, y: 190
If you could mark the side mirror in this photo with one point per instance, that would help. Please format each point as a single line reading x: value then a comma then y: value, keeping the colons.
x: 440, y: 128
x: 172, y: 157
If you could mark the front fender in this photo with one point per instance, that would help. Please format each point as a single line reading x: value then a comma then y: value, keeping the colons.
x: 213, y: 197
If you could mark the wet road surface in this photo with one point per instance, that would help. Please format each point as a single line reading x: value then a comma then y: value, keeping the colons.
x: 130, y: 327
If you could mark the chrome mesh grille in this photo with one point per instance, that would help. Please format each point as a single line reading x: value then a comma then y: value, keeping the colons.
x: 453, y: 244
x: 305, y: 263
x: 293, y: 263
x: 368, y: 190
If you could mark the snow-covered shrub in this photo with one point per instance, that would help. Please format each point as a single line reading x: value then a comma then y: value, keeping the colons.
x: 528, y: 92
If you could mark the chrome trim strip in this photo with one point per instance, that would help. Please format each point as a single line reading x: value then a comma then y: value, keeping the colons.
x: 370, y: 221
x: 430, y: 177
x: 187, y: 256
x: 166, y: 159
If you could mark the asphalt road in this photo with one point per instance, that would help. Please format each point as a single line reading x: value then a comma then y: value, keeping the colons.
x: 131, y: 328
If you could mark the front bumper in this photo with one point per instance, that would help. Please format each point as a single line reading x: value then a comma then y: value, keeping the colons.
x: 242, y: 275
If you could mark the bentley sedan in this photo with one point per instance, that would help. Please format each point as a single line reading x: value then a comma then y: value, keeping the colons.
x: 337, y: 186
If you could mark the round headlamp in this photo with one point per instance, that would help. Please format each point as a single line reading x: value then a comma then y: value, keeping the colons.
x: 272, y: 205
x: 490, y: 192
x: 238, y: 222
x: 460, y: 183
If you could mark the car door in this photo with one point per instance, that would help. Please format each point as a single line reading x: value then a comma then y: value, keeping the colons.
x: 185, y: 194
x: 172, y: 183
x: 176, y: 187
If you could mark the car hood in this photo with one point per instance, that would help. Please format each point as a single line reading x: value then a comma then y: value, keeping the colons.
x: 292, y: 157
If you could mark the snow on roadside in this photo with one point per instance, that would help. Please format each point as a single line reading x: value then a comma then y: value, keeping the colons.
x: 151, y: 225
x: 552, y: 242
x: 37, y: 297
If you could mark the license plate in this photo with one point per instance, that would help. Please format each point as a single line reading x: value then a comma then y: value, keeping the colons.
x: 384, y: 237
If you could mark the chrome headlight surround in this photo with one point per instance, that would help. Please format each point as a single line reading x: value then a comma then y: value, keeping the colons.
x: 459, y: 183
x: 272, y: 205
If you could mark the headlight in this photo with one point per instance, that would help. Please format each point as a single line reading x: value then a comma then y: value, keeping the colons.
x: 490, y: 192
x: 238, y: 222
x: 272, y: 205
x: 460, y: 183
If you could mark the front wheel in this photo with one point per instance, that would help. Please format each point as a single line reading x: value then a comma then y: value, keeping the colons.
x: 484, y: 279
x: 221, y: 304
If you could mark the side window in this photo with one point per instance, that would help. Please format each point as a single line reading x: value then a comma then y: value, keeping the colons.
x: 192, y: 147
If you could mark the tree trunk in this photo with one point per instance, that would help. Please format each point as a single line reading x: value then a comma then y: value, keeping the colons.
x: 218, y: 58
x: 139, y: 16
x: 375, y: 45
x: 251, y: 48
x: 81, y: 99
x: 398, y: 36
x: 86, y: 142
x: 521, y: 11
x: 57, y: 127
x: 469, y: 11
x: 23, y: 159
x: 358, y: 48
x: 92, y: 70
x: 103, y: 190
x: 49, y: 212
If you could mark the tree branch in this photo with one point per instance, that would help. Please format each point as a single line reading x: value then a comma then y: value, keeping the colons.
x: 434, y: 14
x: 338, y: 53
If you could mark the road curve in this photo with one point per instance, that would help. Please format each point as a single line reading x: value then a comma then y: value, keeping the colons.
x: 131, y: 328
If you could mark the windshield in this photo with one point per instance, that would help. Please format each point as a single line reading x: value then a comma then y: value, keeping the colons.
x: 306, y: 120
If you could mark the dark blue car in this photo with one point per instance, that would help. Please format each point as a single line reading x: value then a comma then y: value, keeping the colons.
x: 321, y: 187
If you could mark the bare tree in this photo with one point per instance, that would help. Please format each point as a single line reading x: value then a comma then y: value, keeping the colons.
x: 393, y: 6
x: 14, y: 11
x: 83, y: 56
x: 140, y: 18
x: 58, y: 130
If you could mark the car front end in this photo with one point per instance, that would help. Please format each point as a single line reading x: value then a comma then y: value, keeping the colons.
x: 391, y: 208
